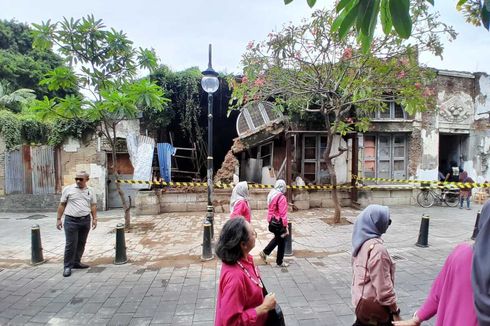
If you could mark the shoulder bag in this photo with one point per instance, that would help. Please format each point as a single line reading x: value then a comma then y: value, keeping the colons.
x: 368, y: 310
x: 275, y: 317
x: 275, y: 224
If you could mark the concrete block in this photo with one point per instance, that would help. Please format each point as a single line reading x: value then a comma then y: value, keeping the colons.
x: 315, y: 203
x: 302, y: 204
x: 196, y: 206
x: 262, y: 204
x: 172, y: 207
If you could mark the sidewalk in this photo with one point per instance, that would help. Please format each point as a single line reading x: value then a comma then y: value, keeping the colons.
x: 165, y: 282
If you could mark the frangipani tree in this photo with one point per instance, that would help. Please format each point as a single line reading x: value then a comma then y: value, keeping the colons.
x: 309, y: 68
x: 103, y: 65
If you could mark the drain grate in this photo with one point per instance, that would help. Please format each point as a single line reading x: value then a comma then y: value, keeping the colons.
x: 398, y: 258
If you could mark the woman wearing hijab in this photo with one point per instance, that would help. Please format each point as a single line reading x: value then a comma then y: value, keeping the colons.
x: 239, y: 205
x: 373, y: 269
x: 460, y: 293
x: 241, y: 299
x: 465, y: 193
x: 278, y: 209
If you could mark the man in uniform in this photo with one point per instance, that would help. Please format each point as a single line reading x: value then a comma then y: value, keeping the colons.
x: 78, y: 202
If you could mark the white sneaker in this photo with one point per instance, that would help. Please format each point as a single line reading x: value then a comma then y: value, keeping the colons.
x: 284, y: 264
x: 263, y: 256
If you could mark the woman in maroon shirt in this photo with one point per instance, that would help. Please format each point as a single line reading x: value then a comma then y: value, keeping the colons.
x: 240, y: 295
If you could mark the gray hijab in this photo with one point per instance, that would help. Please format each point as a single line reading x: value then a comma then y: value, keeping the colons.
x: 480, y: 272
x: 279, y: 188
x: 371, y: 223
x: 240, y: 192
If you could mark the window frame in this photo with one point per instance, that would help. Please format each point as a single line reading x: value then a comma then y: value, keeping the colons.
x: 392, y: 105
x: 271, y: 155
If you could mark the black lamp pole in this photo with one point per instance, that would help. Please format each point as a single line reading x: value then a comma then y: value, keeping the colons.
x: 210, y: 84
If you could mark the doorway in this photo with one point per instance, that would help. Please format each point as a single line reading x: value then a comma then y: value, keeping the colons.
x: 453, y: 149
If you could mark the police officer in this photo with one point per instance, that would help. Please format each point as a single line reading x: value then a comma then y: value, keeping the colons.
x: 78, y: 202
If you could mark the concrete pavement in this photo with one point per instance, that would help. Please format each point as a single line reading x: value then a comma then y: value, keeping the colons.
x: 166, y: 284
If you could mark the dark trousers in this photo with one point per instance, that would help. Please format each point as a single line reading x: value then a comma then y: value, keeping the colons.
x: 358, y: 323
x: 281, y: 245
x: 76, y: 232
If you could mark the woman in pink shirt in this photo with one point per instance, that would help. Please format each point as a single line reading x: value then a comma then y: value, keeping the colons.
x: 240, y: 294
x: 373, y: 276
x: 460, y: 293
x: 277, y: 208
x: 239, y: 205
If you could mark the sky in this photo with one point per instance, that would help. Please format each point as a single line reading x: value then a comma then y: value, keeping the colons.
x: 180, y: 30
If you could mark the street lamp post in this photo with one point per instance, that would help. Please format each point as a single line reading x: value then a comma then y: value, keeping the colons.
x: 210, y: 84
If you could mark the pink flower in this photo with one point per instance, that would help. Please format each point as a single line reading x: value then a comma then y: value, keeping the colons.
x: 418, y: 85
x: 428, y: 92
x: 347, y: 54
x: 244, y: 79
x: 250, y: 45
x: 259, y: 82
x: 401, y: 74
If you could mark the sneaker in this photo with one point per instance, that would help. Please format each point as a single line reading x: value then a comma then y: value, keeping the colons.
x: 263, y: 256
x: 284, y: 264
x: 461, y: 207
x: 468, y: 208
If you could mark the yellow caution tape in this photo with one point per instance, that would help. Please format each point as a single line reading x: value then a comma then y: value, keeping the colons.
x: 440, y: 184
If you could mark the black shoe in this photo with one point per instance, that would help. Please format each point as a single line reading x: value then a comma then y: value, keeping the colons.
x: 80, y: 266
x: 67, y: 272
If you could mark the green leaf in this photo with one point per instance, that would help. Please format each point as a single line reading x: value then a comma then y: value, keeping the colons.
x: 369, y: 17
x: 431, y: 2
x: 286, y: 2
x: 460, y: 4
x: 348, y: 21
x: 485, y: 17
x: 311, y: 3
x: 342, y: 4
x: 386, y: 21
x: 400, y: 15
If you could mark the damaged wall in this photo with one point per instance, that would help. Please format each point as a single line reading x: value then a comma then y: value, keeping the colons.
x: 82, y: 155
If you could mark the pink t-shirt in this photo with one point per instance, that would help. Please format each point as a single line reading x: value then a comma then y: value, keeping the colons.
x: 238, y: 295
x: 241, y: 208
x: 451, y: 295
x: 278, y: 208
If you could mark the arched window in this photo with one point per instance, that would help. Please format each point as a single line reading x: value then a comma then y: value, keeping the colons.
x: 254, y: 116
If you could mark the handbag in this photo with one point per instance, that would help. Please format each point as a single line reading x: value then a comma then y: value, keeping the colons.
x: 368, y: 310
x: 275, y: 225
x: 275, y: 317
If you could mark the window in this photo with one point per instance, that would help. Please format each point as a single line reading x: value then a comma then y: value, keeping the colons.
x: 255, y: 115
x: 314, y: 168
x: 393, y: 111
x: 385, y: 156
x: 265, y: 153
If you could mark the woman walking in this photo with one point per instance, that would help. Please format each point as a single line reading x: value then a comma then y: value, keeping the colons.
x: 241, y: 299
x: 239, y: 205
x: 373, y: 292
x: 277, y: 210
x: 465, y: 193
x: 460, y: 293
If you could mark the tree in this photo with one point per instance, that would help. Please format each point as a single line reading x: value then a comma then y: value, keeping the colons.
x: 15, y: 100
x: 362, y: 16
x: 309, y: 68
x: 183, y: 88
x: 21, y: 65
x: 106, y: 63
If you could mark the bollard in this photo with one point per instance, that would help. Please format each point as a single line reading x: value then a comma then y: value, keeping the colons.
x: 207, y: 252
x: 423, y: 240
x: 121, y: 257
x: 288, y: 251
x: 475, y: 229
x: 36, y: 246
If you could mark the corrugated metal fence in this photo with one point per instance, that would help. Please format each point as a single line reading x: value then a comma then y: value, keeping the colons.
x: 31, y: 170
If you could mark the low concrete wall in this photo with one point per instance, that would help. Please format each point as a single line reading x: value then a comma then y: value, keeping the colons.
x: 388, y: 197
x: 157, y: 201
x: 29, y: 203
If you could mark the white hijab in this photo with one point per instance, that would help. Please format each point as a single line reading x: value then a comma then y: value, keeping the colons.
x: 240, y: 192
x: 279, y: 188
